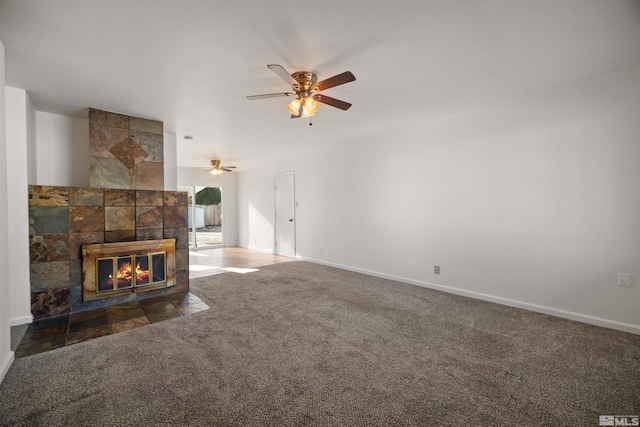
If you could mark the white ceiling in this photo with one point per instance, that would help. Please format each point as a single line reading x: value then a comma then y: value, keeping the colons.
x: 192, y: 63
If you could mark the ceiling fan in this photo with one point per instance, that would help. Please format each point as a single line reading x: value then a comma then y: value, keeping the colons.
x: 217, y: 169
x: 305, y: 88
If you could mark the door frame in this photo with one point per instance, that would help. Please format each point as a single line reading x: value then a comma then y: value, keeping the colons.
x: 193, y: 220
x: 275, y: 207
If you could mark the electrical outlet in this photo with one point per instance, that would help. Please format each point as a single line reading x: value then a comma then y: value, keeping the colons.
x: 436, y: 269
x: 624, y: 280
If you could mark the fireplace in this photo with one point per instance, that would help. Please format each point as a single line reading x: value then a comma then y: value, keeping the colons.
x: 112, y: 269
x: 125, y: 203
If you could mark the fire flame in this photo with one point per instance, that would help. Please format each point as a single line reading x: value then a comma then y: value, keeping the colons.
x: 124, y: 272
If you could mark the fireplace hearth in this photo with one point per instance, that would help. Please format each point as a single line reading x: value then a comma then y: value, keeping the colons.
x: 112, y: 269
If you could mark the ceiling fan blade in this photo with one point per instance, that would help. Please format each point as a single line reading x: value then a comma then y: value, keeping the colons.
x: 332, y: 101
x: 226, y: 170
x: 296, y: 117
x: 284, y: 74
x: 337, y: 80
x: 229, y: 167
x: 269, y: 95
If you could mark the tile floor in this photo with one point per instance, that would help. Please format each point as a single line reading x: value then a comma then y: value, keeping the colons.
x: 48, y: 334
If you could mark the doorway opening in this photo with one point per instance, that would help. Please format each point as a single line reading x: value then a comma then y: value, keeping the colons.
x: 205, y: 216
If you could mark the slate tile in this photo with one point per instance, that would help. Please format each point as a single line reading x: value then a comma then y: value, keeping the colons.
x: 117, y: 197
x: 121, y: 299
x: 182, y: 280
x: 146, y: 125
x: 46, y: 195
x: 49, y: 275
x: 41, y: 346
x: 77, y: 305
x: 182, y: 259
x: 129, y: 152
x: 152, y: 144
x: 149, y: 217
x: 147, y: 176
x: 108, y: 118
x: 88, y: 334
x: 76, y: 240
x: 48, y: 247
x: 85, y: 196
x: 149, y: 198
x: 129, y: 324
x: 48, y: 219
x: 144, y: 295
x: 121, y: 312
x: 119, y: 236
x: 108, y: 173
x: 194, y: 308
x: 50, y: 303
x: 159, y: 316
x: 175, y: 217
x: 184, y: 299
x: 176, y: 198
x: 119, y: 218
x: 149, y: 234
x: 75, y: 272
x: 181, y: 235
x: 103, y: 138
x: 45, y: 329
x: 86, y: 219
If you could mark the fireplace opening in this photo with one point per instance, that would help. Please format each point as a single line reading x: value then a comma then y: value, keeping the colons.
x: 111, y: 269
x: 118, y: 272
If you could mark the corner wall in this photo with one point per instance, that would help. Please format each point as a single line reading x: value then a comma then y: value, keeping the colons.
x: 532, y: 202
x: 6, y: 355
x: 20, y: 126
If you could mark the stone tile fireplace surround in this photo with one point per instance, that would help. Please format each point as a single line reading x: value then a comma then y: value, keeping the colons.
x: 125, y: 202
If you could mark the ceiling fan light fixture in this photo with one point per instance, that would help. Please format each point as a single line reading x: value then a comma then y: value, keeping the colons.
x: 311, y: 105
x: 294, y: 106
x: 215, y: 172
x: 306, y: 113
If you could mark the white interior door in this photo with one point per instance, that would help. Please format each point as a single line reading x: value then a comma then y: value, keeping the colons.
x: 285, y: 232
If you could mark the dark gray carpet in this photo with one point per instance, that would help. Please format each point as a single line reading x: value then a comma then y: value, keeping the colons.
x: 303, y: 344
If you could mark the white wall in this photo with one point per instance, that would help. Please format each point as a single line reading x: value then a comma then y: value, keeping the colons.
x: 228, y: 183
x: 62, y: 150
x: 256, y: 208
x: 32, y: 144
x: 532, y: 202
x: 20, y: 125
x: 169, y: 149
x: 6, y: 355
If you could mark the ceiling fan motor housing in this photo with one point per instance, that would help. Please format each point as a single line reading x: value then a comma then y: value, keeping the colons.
x: 306, y: 80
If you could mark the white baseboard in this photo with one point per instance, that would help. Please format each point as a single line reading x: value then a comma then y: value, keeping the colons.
x: 6, y: 364
x: 584, y: 318
x: 17, y: 321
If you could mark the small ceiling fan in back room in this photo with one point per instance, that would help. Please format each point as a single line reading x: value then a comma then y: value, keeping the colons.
x: 217, y: 169
x: 305, y: 89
